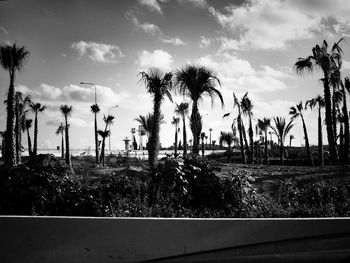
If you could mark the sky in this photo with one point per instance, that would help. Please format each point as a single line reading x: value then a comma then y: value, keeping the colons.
x: 252, y: 45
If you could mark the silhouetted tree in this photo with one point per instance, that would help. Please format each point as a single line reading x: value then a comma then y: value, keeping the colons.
x: 158, y: 85
x: 12, y: 59
x: 36, y: 108
x: 66, y: 112
x: 182, y: 110
x: 60, y: 130
x: 195, y: 81
x: 95, y: 109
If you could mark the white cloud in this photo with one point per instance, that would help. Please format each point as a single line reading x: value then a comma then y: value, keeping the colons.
x: 198, y: 3
x: 158, y: 58
x: 152, y: 5
x: 146, y: 27
x: 175, y: 41
x: 98, y: 52
x: 204, y: 42
x: 265, y: 24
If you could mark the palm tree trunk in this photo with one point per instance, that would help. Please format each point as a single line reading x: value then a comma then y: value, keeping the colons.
x: 175, y: 141
x: 334, y: 116
x: 29, y: 144
x: 229, y: 153
x: 245, y: 140
x: 154, y: 140
x: 10, y: 150
x: 346, y: 129
x: 62, y: 146
x: 251, y: 142
x: 330, y: 134
x: 239, y: 125
x: 308, y: 152
x: 96, y: 139
x: 282, y: 153
x: 265, y: 153
x: 320, y: 140
x: 103, y: 152
x: 184, y: 136
x: 341, y: 144
x: 203, y: 148
x: 68, y: 160
x: 18, y: 133
x: 35, y: 148
x: 196, y: 134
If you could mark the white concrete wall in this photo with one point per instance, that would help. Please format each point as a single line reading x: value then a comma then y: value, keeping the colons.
x: 69, y: 239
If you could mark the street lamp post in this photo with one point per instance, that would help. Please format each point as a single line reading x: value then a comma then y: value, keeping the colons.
x: 92, y: 84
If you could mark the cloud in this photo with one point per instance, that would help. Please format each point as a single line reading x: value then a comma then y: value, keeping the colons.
x: 266, y: 24
x: 175, y: 41
x: 346, y: 64
x: 158, y: 58
x: 153, y: 5
x: 98, y: 52
x: 197, y: 3
x: 146, y: 27
x: 204, y: 42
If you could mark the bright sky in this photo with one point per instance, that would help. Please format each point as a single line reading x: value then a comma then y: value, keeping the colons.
x: 252, y: 45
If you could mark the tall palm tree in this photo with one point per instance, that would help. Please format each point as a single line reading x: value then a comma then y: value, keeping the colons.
x: 175, y: 122
x: 104, y: 134
x: 326, y: 61
x: 247, y: 108
x: 195, y: 81
x: 228, y: 138
x: 264, y: 125
x: 319, y: 102
x: 281, y: 129
x: 202, y: 138
x: 182, y: 110
x: 66, y: 112
x: 60, y: 130
x: 108, y: 120
x: 297, y: 111
x: 12, y: 59
x: 28, y: 124
x: 158, y: 85
x: 95, y: 109
x: 36, y: 108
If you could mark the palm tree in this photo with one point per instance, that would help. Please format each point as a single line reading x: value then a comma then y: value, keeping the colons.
x: 20, y: 115
x: 95, y: 109
x: 36, y: 108
x: 12, y: 59
x: 60, y: 130
x: 296, y: 112
x: 66, y: 112
x: 158, y: 85
x: 195, y: 81
x: 28, y: 124
x: 182, y: 110
x: 202, y: 138
x: 326, y: 61
x: 104, y: 134
x: 318, y: 101
x: 228, y: 138
x: 108, y: 120
x: 263, y: 125
x: 247, y: 107
x: 210, y: 130
x: 196, y: 127
x: 281, y: 130
x: 175, y: 122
